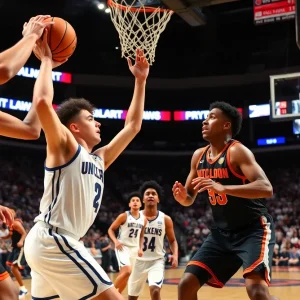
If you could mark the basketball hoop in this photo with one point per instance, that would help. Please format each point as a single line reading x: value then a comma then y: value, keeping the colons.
x: 139, y: 24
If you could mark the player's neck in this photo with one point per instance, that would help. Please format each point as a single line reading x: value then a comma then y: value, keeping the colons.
x: 135, y: 213
x: 83, y: 144
x: 151, y: 211
x: 216, y: 147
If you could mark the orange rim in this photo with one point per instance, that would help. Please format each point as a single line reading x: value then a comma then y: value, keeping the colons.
x: 149, y: 9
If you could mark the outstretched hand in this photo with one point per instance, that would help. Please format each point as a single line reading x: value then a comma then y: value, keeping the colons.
x: 36, y: 26
x: 140, y: 69
x: 179, y: 192
x: 42, y: 50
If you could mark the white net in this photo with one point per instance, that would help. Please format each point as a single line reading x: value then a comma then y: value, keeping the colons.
x: 138, y: 26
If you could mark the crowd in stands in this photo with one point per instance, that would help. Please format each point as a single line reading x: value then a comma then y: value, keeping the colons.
x: 21, y: 187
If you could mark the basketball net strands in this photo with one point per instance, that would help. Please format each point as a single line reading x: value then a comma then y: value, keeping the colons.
x: 139, y: 24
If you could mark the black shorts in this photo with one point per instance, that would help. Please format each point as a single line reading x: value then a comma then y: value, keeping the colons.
x: 223, y: 253
x: 16, y: 257
x: 3, y: 273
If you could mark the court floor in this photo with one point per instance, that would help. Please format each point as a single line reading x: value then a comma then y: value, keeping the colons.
x: 285, y: 285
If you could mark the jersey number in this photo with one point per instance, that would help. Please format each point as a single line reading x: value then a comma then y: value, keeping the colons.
x: 98, y: 190
x: 133, y: 232
x: 150, y: 245
x: 214, y: 198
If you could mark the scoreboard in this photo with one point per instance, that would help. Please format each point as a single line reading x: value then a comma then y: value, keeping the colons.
x: 269, y: 11
x: 285, y: 97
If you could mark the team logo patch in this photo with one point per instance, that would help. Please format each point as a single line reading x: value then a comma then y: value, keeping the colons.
x: 240, y: 282
x: 221, y: 160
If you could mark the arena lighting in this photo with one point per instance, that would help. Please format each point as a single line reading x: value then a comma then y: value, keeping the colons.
x: 100, y: 113
x: 56, y: 76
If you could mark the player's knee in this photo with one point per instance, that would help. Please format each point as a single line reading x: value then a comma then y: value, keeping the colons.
x: 154, y: 292
x: 126, y: 271
x: 188, y: 284
x: 258, y: 292
x: 10, y: 292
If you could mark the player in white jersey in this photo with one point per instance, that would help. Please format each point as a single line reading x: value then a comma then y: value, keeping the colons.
x: 74, y: 176
x: 152, y: 264
x: 129, y: 243
x: 11, y: 61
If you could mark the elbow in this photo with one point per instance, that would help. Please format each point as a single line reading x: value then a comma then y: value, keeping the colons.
x: 34, y: 134
x: 5, y: 74
x: 135, y: 128
x: 269, y: 190
x: 41, y: 103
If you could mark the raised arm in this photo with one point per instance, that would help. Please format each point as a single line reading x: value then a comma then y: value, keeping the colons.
x: 134, y: 116
x: 186, y: 195
x: 121, y: 219
x: 28, y: 129
x: 61, y: 145
x: 172, y: 240
x: 14, y: 58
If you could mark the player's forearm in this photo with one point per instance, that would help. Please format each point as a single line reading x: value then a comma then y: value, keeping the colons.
x: 135, y: 113
x: 43, y: 88
x: 253, y: 190
x: 32, y: 123
x: 174, y: 248
x: 14, y: 58
x: 112, y: 235
x: 189, y: 200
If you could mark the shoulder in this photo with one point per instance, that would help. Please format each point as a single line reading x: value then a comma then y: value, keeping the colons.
x: 197, y: 155
x: 168, y: 219
x: 239, y: 152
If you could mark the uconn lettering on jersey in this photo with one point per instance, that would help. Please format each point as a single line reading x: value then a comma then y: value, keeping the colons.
x: 90, y: 169
x: 213, y: 173
x: 135, y: 225
x: 152, y: 230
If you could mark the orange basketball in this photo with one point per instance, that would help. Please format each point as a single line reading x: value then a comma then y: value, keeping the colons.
x: 62, y: 39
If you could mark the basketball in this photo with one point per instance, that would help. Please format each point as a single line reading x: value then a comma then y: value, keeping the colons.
x: 62, y: 39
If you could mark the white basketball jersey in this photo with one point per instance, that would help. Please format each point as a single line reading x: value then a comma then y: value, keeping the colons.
x: 154, y: 238
x: 73, y: 193
x: 130, y: 231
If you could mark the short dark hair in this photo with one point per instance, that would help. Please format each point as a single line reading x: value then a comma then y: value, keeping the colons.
x: 134, y: 194
x: 71, y: 107
x: 232, y: 113
x: 152, y: 184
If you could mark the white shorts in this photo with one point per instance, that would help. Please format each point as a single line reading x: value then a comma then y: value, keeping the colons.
x: 154, y: 270
x: 127, y: 256
x: 61, y: 266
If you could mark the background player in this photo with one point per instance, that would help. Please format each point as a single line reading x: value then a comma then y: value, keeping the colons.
x: 129, y: 244
x: 11, y: 61
x: 16, y: 258
x: 74, y: 181
x: 152, y: 263
x: 243, y: 233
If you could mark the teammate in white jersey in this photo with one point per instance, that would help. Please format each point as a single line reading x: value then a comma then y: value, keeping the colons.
x: 152, y: 264
x: 129, y: 243
x: 61, y: 265
x: 11, y: 61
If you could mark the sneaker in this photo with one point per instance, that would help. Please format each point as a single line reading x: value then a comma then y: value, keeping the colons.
x: 22, y: 294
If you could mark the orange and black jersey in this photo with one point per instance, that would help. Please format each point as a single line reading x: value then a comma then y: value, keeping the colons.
x: 229, y: 212
x: 15, y: 235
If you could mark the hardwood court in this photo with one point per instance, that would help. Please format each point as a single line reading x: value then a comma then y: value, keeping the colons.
x: 285, y: 285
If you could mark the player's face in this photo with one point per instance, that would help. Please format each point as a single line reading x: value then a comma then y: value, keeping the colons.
x: 151, y: 197
x: 89, y: 128
x: 215, y: 125
x: 135, y: 203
